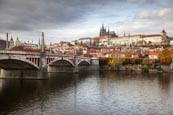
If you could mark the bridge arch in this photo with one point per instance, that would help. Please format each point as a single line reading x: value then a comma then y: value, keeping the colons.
x: 56, y: 60
x: 83, y: 62
x: 12, y: 62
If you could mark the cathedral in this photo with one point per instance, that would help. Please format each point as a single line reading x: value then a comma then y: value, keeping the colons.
x: 104, y: 32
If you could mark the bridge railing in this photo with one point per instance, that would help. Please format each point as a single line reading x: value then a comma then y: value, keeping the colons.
x: 38, y: 53
x: 18, y: 52
x: 65, y: 55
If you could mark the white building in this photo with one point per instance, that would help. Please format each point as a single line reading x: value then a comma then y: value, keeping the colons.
x: 140, y: 39
x: 125, y: 40
x: 84, y: 41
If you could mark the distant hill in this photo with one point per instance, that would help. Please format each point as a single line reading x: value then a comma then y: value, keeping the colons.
x: 2, y: 44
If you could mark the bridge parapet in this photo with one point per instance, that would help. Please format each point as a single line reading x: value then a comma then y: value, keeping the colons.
x: 43, y: 60
x: 18, y: 52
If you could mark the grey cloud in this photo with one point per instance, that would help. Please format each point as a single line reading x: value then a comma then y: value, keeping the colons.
x: 43, y: 14
x: 35, y: 15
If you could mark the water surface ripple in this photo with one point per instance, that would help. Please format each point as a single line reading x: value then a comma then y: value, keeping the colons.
x: 95, y: 93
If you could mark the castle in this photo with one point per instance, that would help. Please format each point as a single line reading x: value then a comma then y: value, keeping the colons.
x: 104, y: 32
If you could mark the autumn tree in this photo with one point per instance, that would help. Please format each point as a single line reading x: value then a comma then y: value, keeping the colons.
x: 165, y: 57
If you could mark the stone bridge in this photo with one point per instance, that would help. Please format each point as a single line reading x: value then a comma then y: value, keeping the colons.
x: 26, y: 62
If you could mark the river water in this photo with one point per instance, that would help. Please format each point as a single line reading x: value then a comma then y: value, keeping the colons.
x: 95, y: 93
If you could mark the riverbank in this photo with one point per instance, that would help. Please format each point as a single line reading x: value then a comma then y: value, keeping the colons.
x: 138, y: 68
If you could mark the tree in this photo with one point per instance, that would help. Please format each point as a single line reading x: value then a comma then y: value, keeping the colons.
x: 165, y: 57
x: 115, y: 61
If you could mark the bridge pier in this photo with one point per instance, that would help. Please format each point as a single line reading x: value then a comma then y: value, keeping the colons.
x: 95, y: 64
x: 61, y: 69
x: 42, y: 72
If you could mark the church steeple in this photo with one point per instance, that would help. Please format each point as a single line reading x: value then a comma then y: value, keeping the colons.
x: 100, y: 33
x: 11, y: 42
x: 102, y: 30
x: 102, y: 26
x: 39, y: 41
x: 108, y: 31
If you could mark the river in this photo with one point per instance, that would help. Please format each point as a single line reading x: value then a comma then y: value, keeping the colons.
x: 91, y: 93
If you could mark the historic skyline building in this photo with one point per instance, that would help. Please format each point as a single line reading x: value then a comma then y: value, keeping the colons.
x: 104, y: 32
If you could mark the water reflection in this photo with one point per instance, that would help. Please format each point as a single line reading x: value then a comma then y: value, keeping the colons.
x: 96, y: 93
x: 165, y: 81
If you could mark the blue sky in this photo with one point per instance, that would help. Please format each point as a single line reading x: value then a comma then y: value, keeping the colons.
x: 67, y: 20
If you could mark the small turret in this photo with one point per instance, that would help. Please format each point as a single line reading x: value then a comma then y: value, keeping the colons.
x: 163, y: 34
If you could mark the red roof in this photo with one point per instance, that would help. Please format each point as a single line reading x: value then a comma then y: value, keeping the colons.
x: 153, y: 52
x: 150, y: 35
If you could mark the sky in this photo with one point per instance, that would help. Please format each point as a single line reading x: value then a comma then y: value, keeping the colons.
x: 68, y: 20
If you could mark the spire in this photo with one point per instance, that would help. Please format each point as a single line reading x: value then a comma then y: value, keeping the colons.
x: 102, y: 30
x: 39, y: 41
x: 105, y: 29
x: 108, y: 30
x: 102, y: 26
x: 100, y: 34
x: 11, y: 37
x: 17, y: 42
x: 42, y: 43
x: 129, y: 34
x: 11, y: 42
x: 124, y: 34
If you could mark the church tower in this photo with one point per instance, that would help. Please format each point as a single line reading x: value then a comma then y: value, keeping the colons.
x: 163, y: 34
x: 11, y: 42
x: 102, y: 31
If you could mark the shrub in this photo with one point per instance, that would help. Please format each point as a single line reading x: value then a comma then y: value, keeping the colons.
x: 138, y: 60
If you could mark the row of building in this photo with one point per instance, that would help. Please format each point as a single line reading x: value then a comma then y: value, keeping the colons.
x: 13, y: 43
x: 111, y: 39
x: 108, y: 43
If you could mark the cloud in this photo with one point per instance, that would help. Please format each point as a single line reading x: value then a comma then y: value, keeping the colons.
x: 148, y: 22
x: 61, y: 18
x: 42, y: 14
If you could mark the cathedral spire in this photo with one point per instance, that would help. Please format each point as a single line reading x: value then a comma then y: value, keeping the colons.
x: 38, y: 41
x: 102, y: 26
x: 108, y: 31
